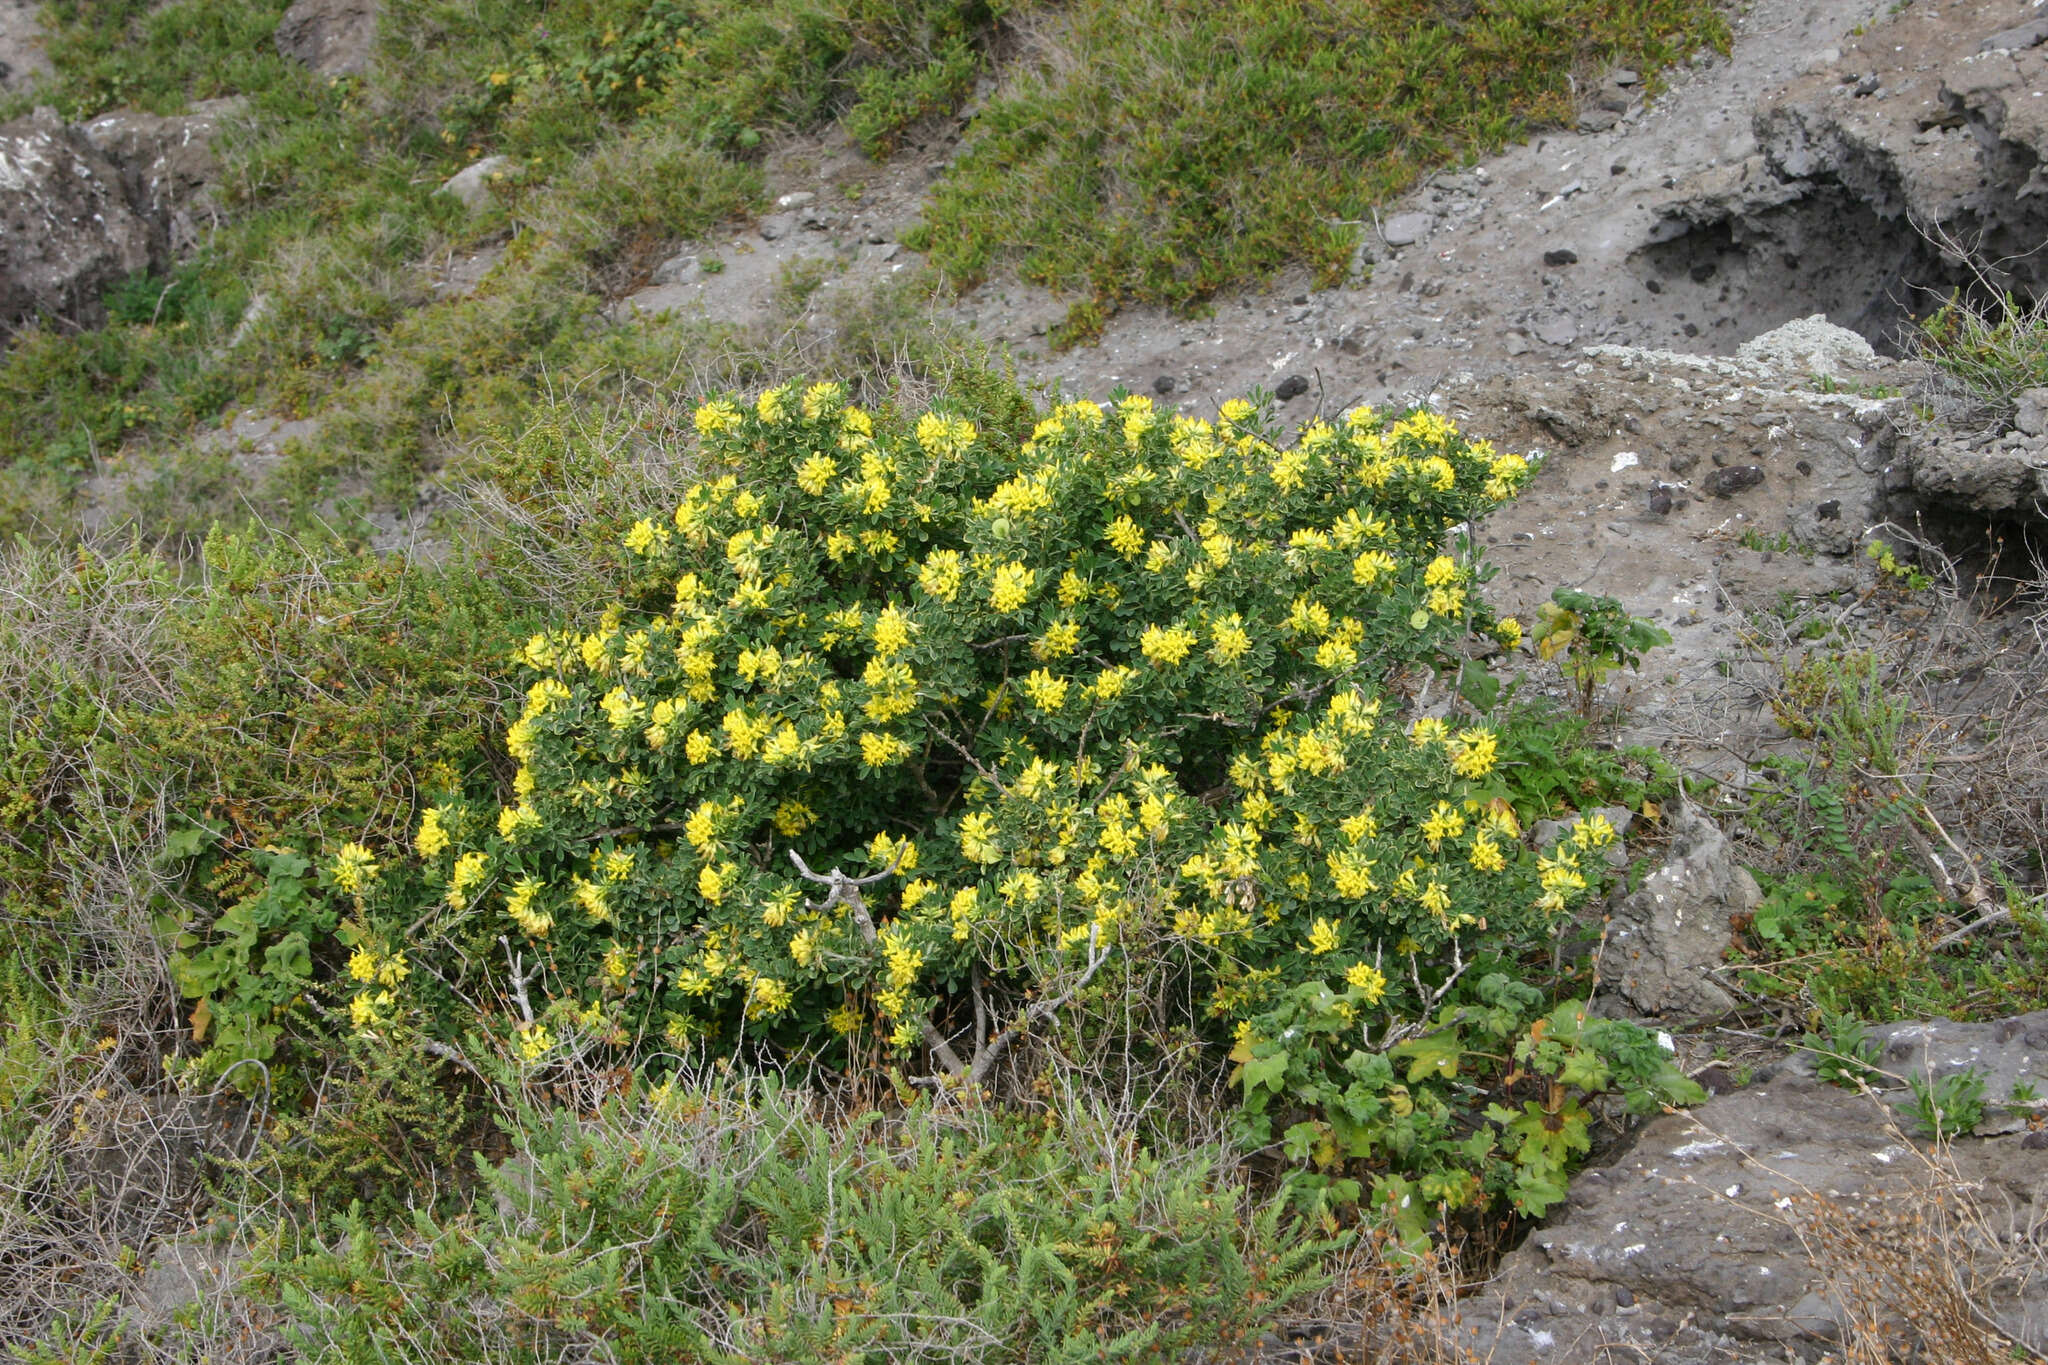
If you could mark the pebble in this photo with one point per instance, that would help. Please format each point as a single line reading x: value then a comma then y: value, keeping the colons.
x: 1404, y: 229
x: 1292, y: 387
x: 1732, y: 479
x: 796, y: 200
x: 1163, y: 384
x: 1562, y: 255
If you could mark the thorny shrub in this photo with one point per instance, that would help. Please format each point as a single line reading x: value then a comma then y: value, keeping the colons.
x: 1124, y: 691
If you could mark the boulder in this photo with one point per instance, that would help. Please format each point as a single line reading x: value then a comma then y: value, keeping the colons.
x: 168, y: 169
x: 66, y: 230
x: 1665, y: 940
x: 330, y: 37
x: 472, y: 184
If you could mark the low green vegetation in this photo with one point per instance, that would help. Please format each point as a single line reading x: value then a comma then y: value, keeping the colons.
x: 629, y: 128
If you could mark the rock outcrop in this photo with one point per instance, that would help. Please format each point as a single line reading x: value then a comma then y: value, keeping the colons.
x: 330, y: 37
x: 66, y: 229
x: 1900, y: 163
x: 82, y: 206
x: 1777, y: 1218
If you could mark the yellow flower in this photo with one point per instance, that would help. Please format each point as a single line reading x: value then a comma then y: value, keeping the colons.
x: 710, y: 885
x: 1231, y: 641
x: 1166, y: 645
x: 514, y: 822
x: 1011, y: 588
x: 354, y: 868
x: 590, y: 896
x: 468, y: 874
x: 1046, y: 692
x: 766, y: 998
x: 1593, y: 831
x: 534, y: 1042
x: 1351, y: 874
x: 881, y: 750
x: 1372, y: 566
x: 815, y: 473
x: 1444, y: 822
x: 362, y: 964
x: 716, y: 416
x: 1429, y: 730
x: 1060, y: 639
x: 1366, y: 978
x: 432, y: 836
x: 1486, y: 856
x: 1322, y: 937
x: 1435, y: 898
x: 1237, y: 410
x: 1474, y: 753
x: 698, y: 746
x: 941, y: 574
x: 891, y: 632
x: 1442, y: 570
x: 977, y: 837
x: 519, y: 905
x: 1125, y: 537
x: 770, y: 405
x: 1509, y: 632
x: 1073, y: 588
x: 793, y: 818
x: 1110, y: 683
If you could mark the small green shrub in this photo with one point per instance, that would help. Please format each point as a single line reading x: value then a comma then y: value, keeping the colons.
x: 1947, y: 1106
x: 710, y: 1225
x: 1842, y: 1054
x: 1591, y: 637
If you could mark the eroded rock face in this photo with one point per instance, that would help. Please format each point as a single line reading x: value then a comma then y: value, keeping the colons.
x: 168, y: 168
x: 1665, y: 939
x: 1701, y: 1243
x: 330, y: 37
x: 1902, y: 161
x: 66, y: 229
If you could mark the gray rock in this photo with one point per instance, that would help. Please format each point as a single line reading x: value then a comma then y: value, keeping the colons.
x: 2031, y: 415
x: 2018, y: 38
x: 1977, y: 476
x: 472, y: 184
x: 683, y: 269
x: 168, y: 168
x: 66, y: 230
x: 1699, y: 1222
x: 1665, y: 940
x: 1405, y: 229
x: 330, y: 37
x: 796, y: 200
x: 1556, y: 330
x: 1810, y: 343
x: 776, y: 226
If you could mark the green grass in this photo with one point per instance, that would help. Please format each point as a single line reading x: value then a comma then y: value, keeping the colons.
x: 1991, y: 352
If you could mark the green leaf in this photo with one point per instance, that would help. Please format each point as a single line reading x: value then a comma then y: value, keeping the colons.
x: 1434, y: 1055
x: 1270, y: 1072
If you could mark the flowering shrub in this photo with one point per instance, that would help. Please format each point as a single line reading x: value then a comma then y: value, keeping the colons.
x: 1131, y: 687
